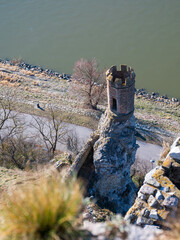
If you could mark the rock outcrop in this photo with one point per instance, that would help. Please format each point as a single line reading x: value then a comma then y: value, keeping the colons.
x: 159, y: 196
x: 114, y: 153
x: 105, y: 161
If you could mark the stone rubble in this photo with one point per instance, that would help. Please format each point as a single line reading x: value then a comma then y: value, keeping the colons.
x: 160, y: 194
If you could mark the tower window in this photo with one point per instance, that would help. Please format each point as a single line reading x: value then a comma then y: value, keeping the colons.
x: 114, y: 104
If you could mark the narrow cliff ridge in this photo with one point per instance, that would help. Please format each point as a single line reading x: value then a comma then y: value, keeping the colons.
x: 114, y: 153
x: 159, y: 196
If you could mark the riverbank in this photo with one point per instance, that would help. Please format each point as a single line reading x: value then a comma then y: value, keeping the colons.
x: 29, y: 85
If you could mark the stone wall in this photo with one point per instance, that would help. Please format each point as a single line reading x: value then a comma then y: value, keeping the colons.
x: 120, y: 88
x: 159, y: 196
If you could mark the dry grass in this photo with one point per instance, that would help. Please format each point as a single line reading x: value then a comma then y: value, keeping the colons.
x: 41, y: 209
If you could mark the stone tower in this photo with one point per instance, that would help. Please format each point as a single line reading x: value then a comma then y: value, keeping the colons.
x: 120, y: 91
x: 105, y: 161
x: 115, y: 150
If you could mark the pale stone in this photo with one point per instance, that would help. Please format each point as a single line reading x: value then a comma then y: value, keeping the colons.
x: 142, y: 196
x: 140, y: 221
x: 148, y: 190
x: 176, y: 143
x: 154, y: 214
x: 159, y: 196
x: 149, y: 179
x: 166, y: 189
x: 150, y: 174
x: 152, y: 201
x: 152, y: 181
x: 171, y: 201
x: 145, y: 212
x: 175, y: 153
x: 175, y: 150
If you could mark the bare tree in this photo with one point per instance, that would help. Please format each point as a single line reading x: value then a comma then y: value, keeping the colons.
x: 73, y: 142
x: 16, y: 150
x: 9, y: 120
x: 88, y: 81
x: 52, y: 130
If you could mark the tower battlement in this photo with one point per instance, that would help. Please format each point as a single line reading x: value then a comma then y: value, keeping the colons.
x: 120, y: 91
x: 120, y: 79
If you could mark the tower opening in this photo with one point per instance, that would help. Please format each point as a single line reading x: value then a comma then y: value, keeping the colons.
x: 114, y: 105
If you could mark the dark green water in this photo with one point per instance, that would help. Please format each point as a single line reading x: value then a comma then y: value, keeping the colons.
x: 144, y: 34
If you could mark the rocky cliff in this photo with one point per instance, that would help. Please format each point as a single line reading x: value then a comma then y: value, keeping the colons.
x: 114, y: 153
x: 105, y: 162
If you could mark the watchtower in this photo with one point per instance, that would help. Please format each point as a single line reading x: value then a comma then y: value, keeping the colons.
x: 120, y: 91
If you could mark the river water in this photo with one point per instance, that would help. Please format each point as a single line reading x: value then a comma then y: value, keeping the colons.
x: 144, y: 34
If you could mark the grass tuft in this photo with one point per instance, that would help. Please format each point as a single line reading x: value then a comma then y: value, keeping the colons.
x: 43, y: 209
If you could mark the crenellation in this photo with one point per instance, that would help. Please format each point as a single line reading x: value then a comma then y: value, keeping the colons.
x: 120, y: 91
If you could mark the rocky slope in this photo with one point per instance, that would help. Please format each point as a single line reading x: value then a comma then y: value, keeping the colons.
x: 159, y: 196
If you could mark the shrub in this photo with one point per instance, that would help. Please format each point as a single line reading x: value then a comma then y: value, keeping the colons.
x: 20, y: 152
x: 43, y: 209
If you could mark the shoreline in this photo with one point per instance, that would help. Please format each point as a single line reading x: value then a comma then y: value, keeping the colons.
x: 142, y: 92
x: 157, y: 118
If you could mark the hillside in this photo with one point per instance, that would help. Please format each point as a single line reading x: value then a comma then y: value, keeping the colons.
x: 30, y: 85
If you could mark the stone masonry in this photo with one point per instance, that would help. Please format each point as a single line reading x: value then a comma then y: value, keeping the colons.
x: 120, y: 91
x: 159, y: 196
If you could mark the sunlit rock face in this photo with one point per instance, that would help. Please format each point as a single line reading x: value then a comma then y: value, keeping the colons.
x: 114, y: 153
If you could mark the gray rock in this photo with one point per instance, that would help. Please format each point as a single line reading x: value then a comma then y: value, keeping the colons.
x: 153, y: 182
x: 142, y: 196
x: 171, y: 201
x: 175, y: 153
x: 166, y: 189
x: 130, y: 217
x: 176, y: 143
x: 152, y: 201
x: 159, y: 196
x: 148, y: 190
x: 140, y: 221
x: 149, y: 179
x: 114, y: 153
x: 175, y: 150
x: 153, y: 214
x: 145, y: 212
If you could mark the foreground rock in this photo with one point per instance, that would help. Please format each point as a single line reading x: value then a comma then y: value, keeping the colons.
x: 159, y: 196
x: 118, y: 229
